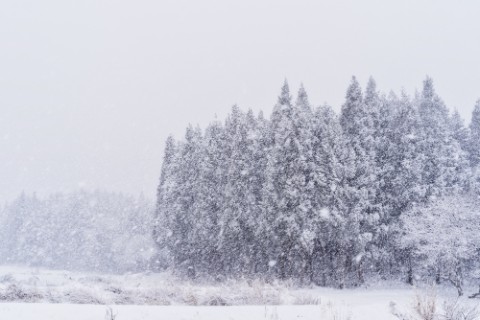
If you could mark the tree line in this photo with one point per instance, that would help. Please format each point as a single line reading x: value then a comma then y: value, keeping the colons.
x: 311, y: 195
x: 81, y: 231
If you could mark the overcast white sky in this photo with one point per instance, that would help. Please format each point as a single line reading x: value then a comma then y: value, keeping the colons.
x: 90, y: 89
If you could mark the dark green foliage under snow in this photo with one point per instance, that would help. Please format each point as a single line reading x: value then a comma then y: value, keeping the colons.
x: 311, y: 195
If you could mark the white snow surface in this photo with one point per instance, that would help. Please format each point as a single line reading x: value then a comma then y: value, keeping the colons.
x: 27, y: 294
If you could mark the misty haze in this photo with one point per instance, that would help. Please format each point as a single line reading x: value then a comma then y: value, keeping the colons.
x: 247, y: 160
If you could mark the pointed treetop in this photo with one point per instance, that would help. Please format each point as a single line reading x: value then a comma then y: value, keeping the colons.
x: 302, y: 98
x: 215, y: 123
x: 354, y: 91
x: 473, y: 148
x: 457, y: 120
x: 406, y: 101
x: 285, y: 98
x: 477, y: 106
x: 372, y: 84
x: 236, y: 110
x: 371, y: 93
x: 170, y: 142
x: 428, y: 91
x: 261, y: 117
x: 302, y: 93
x: 456, y: 115
x: 213, y: 133
x: 476, y: 115
x: 192, y: 133
x: 168, y: 157
x: 235, y: 116
x: 250, y: 118
x: 250, y: 113
x: 189, y: 132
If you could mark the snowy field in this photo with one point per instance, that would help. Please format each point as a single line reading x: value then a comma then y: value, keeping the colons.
x: 95, y: 312
x: 347, y: 304
x: 44, y: 294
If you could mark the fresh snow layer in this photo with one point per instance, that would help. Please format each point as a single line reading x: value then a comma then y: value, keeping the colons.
x: 347, y: 304
x: 95, y: 312
x: 62, y: 295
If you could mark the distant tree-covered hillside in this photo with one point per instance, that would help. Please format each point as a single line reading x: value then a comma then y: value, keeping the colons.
x: 89, y: 231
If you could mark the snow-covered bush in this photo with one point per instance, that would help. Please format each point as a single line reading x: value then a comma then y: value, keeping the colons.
x: 456, y: 310
x: 38, y: 285
x: 424, y: 306
x: 443, y: 238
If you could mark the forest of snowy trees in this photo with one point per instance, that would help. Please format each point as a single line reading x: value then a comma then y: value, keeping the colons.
x: 388, y: 188
x: 86, y: 231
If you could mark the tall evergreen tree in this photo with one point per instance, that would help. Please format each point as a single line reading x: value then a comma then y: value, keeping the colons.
x: 459, y: 132
x: 211, y: 194
x: 358, y: 127
x: 236, y: 223
x: 441, y: 155
x: 164, y: 211
x: 473, y: 149
x: 399, y: 164
x: 186, y: 186
x: 474, y: 140
x: 333, y: 168
x: 287, y: 181
x: 263, y: 232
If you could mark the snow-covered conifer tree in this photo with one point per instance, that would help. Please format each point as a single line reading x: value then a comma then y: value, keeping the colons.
x: 358, y: 123
x: 474, y: 140
x: 211, y: 198
x: 441, y: 154
x: 185, y: 194
x: 164, y: 211
x: 287, y: 180
x: 444, y: 239
x: 238, y: 220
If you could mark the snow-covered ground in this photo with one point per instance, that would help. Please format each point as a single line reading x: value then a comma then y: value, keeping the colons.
x: 28, y: 294
x: 96, y: 312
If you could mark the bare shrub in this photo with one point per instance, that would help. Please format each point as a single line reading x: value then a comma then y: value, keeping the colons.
x: 333, y: 312
x: 454, y: 310
x: 424, y: 307
x: 17, y: 293
x: 307, y: 300
x: 7, y: 278
x: 216, y: 300
x: 425, y: 304
x: 109, y: 314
